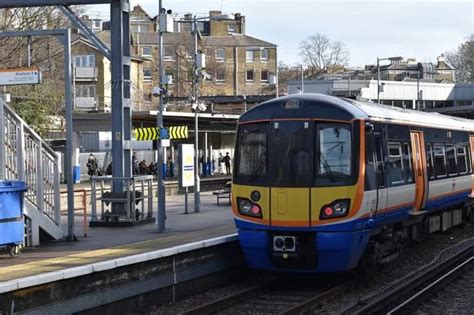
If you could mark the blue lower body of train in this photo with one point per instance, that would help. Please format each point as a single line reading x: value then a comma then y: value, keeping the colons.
x: 322, y: 249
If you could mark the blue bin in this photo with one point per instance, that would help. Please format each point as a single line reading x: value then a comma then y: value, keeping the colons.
x: 76, y: 174
x: 11, y: 212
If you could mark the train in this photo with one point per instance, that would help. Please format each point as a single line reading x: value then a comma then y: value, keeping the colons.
x: 325, y: 184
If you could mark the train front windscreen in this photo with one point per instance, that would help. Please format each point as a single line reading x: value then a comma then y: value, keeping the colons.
x: 294, y: 154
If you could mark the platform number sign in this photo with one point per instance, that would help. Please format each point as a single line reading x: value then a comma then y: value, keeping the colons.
x: 186, y: 165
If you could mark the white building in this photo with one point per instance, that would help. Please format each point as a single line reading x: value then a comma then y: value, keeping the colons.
x: 447, y: 98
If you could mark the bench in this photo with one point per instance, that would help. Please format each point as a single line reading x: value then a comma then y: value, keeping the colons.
x: 224, y: 193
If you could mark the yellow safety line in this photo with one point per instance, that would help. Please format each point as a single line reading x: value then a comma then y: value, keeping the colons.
x: 87, y: 257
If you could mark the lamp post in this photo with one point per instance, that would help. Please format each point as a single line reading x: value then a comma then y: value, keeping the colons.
x: 198, y: 60
x: 378, y: 72
x: 302, y: 79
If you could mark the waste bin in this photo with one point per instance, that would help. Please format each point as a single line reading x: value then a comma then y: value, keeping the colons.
x: 76, y: 174
x: 11, y: 215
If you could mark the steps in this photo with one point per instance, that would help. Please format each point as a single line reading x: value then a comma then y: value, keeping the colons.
x: 25, y: 156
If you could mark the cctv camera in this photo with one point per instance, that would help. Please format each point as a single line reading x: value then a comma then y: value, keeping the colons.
x: 157, y: 91
x: 194, y: 105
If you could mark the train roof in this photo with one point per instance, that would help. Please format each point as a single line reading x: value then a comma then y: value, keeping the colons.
x: 394, y: 114
x: 333, y: 108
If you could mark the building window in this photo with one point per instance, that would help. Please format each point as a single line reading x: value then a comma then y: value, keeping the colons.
x: 147, y: 97
x: 220, y: 54
x: 146, y: 51
x: 147, y: 74
x: 249, y: 55
x: 264, y: 54
x: 85, y: 91
x: 84, y: 61
x: 220, y: 75
x: 139, y: 28
x: 231, y: 28
x: 97, y: 24
x: 264, y: 76
x: 250, y: 75
x: 168, y: 53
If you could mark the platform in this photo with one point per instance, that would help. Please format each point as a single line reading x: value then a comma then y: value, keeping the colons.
x: 106, y: 244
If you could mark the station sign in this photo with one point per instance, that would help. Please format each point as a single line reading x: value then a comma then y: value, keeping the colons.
x: 20, y: 76
x: 186, y: 165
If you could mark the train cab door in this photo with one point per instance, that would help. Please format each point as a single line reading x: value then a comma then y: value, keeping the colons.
x: 419, y: 168
x: 291, y: 172
x: 382, y: 191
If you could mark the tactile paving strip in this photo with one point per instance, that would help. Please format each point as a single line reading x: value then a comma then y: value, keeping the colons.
x: 87, y: 257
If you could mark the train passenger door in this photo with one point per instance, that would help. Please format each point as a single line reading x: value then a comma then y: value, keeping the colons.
x: 382, y: 191
x: 419, y: 167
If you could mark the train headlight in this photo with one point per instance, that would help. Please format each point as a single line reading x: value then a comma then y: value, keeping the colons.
x: 246, y: 207
x: 337, y: 209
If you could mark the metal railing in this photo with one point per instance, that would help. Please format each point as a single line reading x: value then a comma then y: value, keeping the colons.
x: 136, y: 199
x: 25, y: 156
x: 80, y: 196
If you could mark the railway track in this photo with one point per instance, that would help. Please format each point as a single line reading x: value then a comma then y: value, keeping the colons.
x: 270, y: 298
x: 405, y: 297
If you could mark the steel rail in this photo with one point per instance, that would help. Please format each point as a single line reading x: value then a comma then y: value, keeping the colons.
x: 306, y: 305
x: 413, y: 299
x: 219, y: 304
x: 412, y: 288
x: 297, y: 307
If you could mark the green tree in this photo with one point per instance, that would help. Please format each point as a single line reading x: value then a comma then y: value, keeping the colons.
x: 36, y: 104
x: 463, y: 60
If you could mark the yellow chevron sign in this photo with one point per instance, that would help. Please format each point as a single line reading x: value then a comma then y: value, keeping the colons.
x: 175, y: 132
x: 178, y: 132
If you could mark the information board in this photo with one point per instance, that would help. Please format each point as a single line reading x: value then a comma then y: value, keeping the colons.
x: 186, y: 165
x: 20, y: 76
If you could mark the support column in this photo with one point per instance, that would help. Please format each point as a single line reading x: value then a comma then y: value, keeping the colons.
x: 71, y: 236
x: 121, y: 123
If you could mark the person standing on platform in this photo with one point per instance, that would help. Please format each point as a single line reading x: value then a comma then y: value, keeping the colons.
x: 92, y: 165
x: 226, y: 160
x: 134, y: 164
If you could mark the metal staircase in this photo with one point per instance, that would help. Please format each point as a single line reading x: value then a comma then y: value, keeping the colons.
x: 25, y: 156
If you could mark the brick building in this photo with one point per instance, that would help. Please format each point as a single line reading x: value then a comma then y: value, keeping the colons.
x: 239, y: 68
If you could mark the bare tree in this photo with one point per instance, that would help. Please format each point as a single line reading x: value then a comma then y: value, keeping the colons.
x: 463, y: 60
x: 321, y: 55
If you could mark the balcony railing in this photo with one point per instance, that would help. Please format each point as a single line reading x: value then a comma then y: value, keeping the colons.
x: 86, y: 73
x: 87, y: 103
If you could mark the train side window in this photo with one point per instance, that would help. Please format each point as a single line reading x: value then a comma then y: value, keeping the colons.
x: 462, y: 161
x: 395, y: 164
x: 379, y: 160
x: 451, y: 159
x: 439, y: 160
x: 407, y: 162
x: 429, y: 161
x: 370, y: 171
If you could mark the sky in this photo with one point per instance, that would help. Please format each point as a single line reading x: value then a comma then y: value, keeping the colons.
x: 420, y: 29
